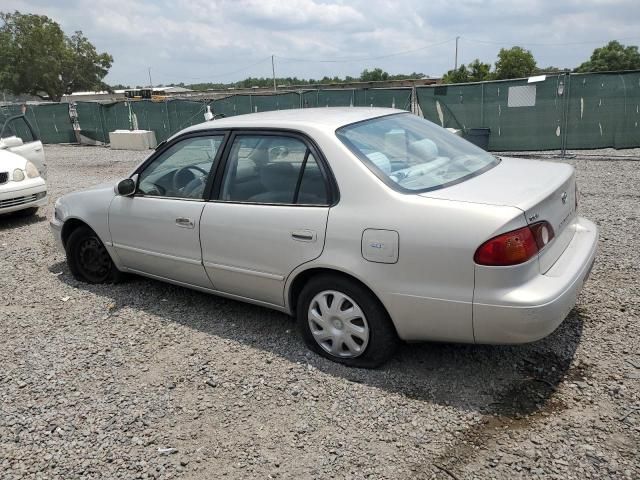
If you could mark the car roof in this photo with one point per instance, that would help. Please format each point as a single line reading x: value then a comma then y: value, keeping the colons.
x: 329, y: 118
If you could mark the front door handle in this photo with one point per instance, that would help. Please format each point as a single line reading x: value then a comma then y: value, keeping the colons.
x: 184, y: 222
x: 304, y: 235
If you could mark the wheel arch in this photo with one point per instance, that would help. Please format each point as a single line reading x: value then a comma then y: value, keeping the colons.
x: 69, y: 226
x: 300, y: 279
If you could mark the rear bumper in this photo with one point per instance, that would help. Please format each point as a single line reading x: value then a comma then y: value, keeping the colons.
x: 32, y: 194
x: 533, y: 310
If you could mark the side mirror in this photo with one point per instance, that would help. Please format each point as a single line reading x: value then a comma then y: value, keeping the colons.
x: 126, y: 187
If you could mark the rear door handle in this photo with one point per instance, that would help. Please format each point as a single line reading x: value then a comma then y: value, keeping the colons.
x: 184, y: 222
x: 304, y: 235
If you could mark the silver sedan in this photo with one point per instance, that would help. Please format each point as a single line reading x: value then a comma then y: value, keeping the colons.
x: 370, y: 226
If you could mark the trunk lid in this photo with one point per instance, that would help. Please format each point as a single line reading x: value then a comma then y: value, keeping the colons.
x: 542, y: 190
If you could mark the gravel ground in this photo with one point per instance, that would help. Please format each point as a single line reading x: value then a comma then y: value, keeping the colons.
x: 149, y: 380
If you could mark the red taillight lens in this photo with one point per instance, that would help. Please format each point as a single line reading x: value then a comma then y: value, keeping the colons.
x: 514, y: 247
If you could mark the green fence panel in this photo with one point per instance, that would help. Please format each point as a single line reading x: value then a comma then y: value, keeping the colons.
x: 52, y: 122
x: 329, y: 98
x: 283, y: 101
x: 524, y: 116
x: 520, y: 115
x: 604, y: 110
x: 154, y: 116
x: 233, y: 105
x: 384, y: 97
x: 452, y: 106
x: 115, y: 116
x: 91, y: 121
x: 184, y: 113
x: 595, y: 110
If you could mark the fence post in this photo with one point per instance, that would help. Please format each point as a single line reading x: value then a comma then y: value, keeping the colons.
x: 482, y: 105
x: 565, y: 111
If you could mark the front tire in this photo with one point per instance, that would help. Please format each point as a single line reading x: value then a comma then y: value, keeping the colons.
x: 88, y: 259
x: 344, y: 322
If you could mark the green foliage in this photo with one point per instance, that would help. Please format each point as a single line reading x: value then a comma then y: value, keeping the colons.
x: 37, y: 58
x: 377, y: 74
x: 477, y: 71
x: 514, y: 62
x: 613, y: 56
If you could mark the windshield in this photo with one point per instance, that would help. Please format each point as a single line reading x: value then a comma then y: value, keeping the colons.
x: 412, y: 154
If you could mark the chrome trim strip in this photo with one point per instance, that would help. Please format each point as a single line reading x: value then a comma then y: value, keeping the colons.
x: 190, y: 261
x: 246, y: 271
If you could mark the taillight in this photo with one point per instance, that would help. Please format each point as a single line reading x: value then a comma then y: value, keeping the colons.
x: 514, y: 247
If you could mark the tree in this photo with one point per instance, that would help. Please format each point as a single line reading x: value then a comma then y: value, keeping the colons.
x: 375, y: 75
x: 475, y: 72
x: 37, y: 58
x: 459, y: 75
x: 613, y: 56
x: 479, y: 72
x: 515, y: 62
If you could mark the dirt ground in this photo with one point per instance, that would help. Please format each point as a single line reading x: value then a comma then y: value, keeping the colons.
x: 148, y: 380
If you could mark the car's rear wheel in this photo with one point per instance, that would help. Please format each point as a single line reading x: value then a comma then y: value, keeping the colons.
x: 88, y: 259
x: 344, y: 322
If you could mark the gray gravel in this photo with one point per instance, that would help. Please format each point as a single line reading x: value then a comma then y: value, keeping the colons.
x: 149, y: 380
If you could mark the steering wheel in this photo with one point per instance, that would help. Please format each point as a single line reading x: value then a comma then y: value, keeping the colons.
x: 177, y: 184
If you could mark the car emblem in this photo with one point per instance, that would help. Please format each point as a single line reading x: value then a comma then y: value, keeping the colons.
x: 563, y: 197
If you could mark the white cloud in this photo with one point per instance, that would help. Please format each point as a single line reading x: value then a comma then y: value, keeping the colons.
x: 191, y: 40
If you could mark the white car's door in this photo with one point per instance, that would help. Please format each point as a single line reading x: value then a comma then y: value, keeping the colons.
x: 270, y: 215
x: 156, y: 231
x: 18, y: 137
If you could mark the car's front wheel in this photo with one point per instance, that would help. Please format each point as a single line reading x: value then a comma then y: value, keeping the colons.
x: 344, y: 322
x: 88, y: 259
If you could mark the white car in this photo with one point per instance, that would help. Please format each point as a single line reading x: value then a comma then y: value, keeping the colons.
x: 368, y: 225
x: 22, y: 168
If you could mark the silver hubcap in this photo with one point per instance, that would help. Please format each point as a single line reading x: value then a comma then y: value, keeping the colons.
x: 338, y: 324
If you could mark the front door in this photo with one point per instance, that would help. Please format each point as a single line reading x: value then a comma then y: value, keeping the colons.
x: 18, y: 137
x: 270, y: 216
x: 156, y: 231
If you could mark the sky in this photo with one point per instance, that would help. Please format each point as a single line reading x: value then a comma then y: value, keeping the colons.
x: 196, y: 41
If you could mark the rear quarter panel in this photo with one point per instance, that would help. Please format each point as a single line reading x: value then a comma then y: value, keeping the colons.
x: 428, y: 292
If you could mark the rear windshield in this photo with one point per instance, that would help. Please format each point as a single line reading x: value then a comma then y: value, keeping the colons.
x: 412, y: 154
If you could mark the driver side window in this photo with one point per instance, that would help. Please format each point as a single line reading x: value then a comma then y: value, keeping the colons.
x: 182, y: 170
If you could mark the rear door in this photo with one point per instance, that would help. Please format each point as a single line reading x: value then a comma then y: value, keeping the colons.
x: 17, y: 136
x: 268, y: 216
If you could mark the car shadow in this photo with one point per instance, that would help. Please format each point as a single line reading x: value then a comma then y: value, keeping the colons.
x: 509, y: 381
x: 16, y: 219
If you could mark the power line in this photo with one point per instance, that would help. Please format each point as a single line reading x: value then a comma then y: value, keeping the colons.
x: 360, y: 59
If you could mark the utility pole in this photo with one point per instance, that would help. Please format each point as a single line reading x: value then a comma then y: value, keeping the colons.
x: 456, y: 63
x: 273, y: 72
x: 150, y: 82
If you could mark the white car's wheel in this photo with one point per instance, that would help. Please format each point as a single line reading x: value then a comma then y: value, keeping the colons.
x: 343, y: 321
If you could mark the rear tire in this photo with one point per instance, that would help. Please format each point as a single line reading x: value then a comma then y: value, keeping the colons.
x: 344, y: 322
x: 88, y: 258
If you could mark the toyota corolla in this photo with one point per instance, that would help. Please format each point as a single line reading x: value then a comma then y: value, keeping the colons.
x: 370, y: 226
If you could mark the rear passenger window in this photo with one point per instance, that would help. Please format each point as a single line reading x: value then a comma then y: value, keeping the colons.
x: 313, y: 188
x: 272, y: 169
